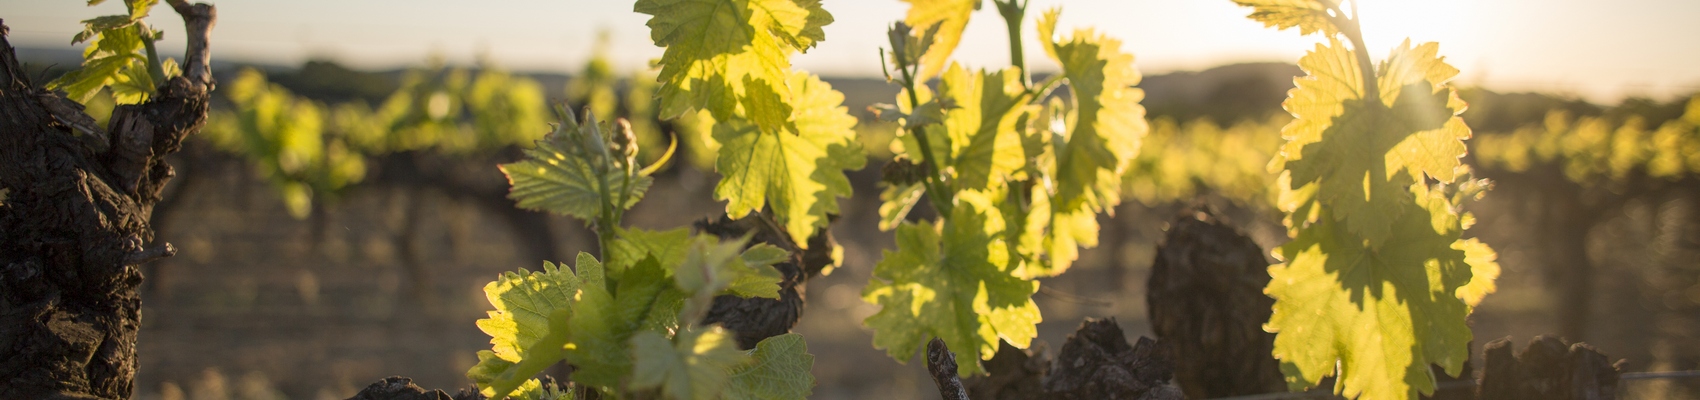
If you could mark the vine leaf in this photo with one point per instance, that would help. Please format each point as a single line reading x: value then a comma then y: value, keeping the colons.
x: 895, y: 202
x: 1362, y: 155
x: 779, y: 371
x: 713, y: 267
x: 951, y: 17
x: 715, y: 48
x: 1380, y: 315
x: 115, y: 58
x: 986, y: 148
x: 565, y: 173
x: 752, y: 273
x: 631, y: 245
x: 695, y: 365
x: 1484, y: 270
x: 1376, y: 283
x: 1310, y: 16
x: 957, y: 286
x: 534, y: 389
x: 796, y: 170
x: 109, y: 60
x: 527, y: 330
x: 603, y: 322
x: 1102, y: 141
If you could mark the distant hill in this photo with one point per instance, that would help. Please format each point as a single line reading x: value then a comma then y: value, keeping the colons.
x: 1225, y: 94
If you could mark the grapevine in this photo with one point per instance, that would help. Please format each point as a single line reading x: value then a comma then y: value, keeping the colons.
x: 627, y: 320
x: 120, y: 56
x: 1377, y: 281
x: 1016, y: 196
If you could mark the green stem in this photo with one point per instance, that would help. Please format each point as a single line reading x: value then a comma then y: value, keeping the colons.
x: 155, y: 69
x: 1350, y: 27
x: 935, y: 179
x: 1012, y: 13
x: 607, y: 221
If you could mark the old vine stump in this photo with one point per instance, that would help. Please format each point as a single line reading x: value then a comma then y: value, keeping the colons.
x: 74, y: 224
x: 1548, y: 368
x: 1206, y: 302
x: 757, y: 318
x: 1095, y: 363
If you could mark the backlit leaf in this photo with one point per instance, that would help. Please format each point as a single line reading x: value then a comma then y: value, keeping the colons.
x: 1309, y: 16
x: 716, y: 47
x: 694, y: 365
x: 528, y: 328
x: 1102, y: 140
x: 779, y: 371
x: 796, y: 171
x: 957, y: 286
x: 951, y: 17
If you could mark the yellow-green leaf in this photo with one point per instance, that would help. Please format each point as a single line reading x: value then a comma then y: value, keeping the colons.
x: 552, y: 179
x: 958, y: 286
x: 985, y: 147
x: 1362, y: 154
x: 1379, y: 315
x: 796, y: 171
x: 951, y: 17
x: 694, y: 365
x: 528, y: 329
x: 779, y: 371
x: 715, y: 47
x: 1101, y: 141
x: 1309, y: 16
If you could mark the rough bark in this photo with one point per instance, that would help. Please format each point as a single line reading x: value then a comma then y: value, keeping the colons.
x: 1095, y: 363
x: 1011, y: 374
x: 941, y: 364
x: 1548, y: 368
x: 74, y: 225
x: 400, y: 388
x: 1206, y: 302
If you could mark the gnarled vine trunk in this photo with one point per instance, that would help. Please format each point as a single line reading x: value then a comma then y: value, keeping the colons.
x: 1205, y: 298
x: 74, y: 224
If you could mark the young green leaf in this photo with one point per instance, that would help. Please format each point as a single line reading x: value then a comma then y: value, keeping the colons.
x: 634, y: 244
x: 1376, y: 284
x: 753, y: 274
x: 951, y: 18
x: 1362, y: 155
x: 1101, y: 142
x: 796, y: 171
x: 982, y: 127
x: 598, y: 338
x: 534, y: 390
x: 109, y: 59
x: 958, y: 287
x: 716, y: 47
x: 713, y: 267
x: 528, y: 328
x: 695, y: 365
x: 573, y: 172
x: 896, y: 201
x: 779, y: 371
x: 1381, y: 316
x: 1309, y: 16
x: 115, y: 58
x: 647, y: 298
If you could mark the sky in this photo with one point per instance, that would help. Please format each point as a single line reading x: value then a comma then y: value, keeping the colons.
x: 1599, y: 51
